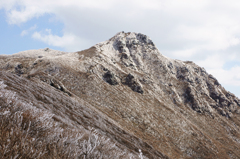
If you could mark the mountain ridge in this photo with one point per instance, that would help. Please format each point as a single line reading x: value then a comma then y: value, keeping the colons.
x: 175, y: 107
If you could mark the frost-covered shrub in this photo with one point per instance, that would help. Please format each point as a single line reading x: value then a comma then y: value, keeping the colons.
x: 30, y: 132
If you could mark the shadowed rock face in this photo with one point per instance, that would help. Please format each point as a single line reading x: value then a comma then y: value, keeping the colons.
x: 167, y: 108
x: 109, y: 78
x: 130, y: 82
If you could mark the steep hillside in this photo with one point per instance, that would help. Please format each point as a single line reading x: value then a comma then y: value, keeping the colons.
x: 38, y: 121
x: 131, y: 94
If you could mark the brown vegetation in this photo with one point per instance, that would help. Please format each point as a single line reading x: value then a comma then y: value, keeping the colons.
x: 119, y: 96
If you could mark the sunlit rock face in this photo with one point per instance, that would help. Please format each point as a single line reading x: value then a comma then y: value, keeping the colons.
x: 143, y: 100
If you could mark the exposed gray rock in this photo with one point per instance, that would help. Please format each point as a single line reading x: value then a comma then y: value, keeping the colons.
x: 120, y: 45
x: 47, y: 49
x: 144, y: 39
x: 130, y: 82
x: 179, y: 109
x: 19, y: 69
x: 110, y: 78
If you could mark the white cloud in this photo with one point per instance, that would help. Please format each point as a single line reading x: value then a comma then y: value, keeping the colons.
x: 26, y: 32
x: 187, y: 27
x: 21, y: 11
x: 213, y: 61
x: 227, y: 77
x: 67, y: 41
x: 7, y: 5
x: 184, y: 53
x: 230, y: 79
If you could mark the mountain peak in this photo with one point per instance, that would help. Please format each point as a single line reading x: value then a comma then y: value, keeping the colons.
x: 124, y: 42
x: 129, y: 48
x: 124, y: 89
x: 130, y: 39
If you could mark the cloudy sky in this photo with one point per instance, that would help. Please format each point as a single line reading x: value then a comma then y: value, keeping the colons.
x: 204, y: 31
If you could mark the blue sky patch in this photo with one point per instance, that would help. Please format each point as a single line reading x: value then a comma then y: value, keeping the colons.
x: 13, y: 42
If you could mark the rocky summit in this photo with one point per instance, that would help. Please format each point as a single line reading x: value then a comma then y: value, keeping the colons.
x: 118, y: 99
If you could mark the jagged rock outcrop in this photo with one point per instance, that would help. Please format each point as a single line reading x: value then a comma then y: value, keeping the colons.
x: 109, y: 78
x: 130, y: 82
x: 175, y: 108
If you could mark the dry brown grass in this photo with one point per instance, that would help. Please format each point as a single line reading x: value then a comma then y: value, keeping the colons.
x: 30, y: 132
x: 175, y: 117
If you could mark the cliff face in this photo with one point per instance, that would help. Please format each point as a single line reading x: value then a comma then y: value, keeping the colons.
x: 134, y: 96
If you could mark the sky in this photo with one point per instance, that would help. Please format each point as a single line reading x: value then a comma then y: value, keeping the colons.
x: 206, y: 32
